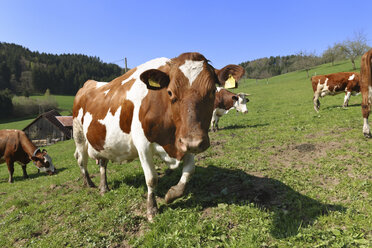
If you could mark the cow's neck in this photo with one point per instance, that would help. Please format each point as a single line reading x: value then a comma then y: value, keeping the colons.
x: 28, y: 146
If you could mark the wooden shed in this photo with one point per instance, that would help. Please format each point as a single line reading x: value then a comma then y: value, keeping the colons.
x: 49, y: 127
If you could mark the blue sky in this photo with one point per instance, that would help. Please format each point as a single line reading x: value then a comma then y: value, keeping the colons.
x: 224, y: 31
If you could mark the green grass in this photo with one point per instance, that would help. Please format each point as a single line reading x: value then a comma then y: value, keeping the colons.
x: 280, y: 176
x: 64, y: 105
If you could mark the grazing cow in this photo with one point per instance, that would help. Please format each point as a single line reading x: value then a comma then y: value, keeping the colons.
x: 16, y: 147
x: 224, y: 102
x: 161, y: 107
x: 366, y: 89
x: 332, y: 84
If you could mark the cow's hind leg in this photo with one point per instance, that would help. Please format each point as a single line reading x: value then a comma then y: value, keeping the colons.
x: 10, y: 165
x: 82, y: 159
x: 103, y: 187
x: 24, y: 171
x: 178, y: 190
x: 81, y: 152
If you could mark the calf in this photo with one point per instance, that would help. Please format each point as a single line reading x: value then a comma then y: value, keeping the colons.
x: 224, y: 102
x: 335, y: 83
x: 16, y: 147
x: 162, y: 107
x: 366, y: 89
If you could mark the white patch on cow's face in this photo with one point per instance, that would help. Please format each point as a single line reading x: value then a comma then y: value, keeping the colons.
x: 352, y: 77
x: 100, y: 84
x: 241, y: 104
x: 152, y: 64
x: 51, y: 167
x: 191, y: 69
x: 218, y: 89
x: 106, y: 91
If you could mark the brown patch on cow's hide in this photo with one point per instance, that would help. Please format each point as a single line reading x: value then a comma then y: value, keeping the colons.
x: 224, y: 99
x: 95, y: 101
x: 337, y: 82
x: 126, y: 116
x: 96, y: 134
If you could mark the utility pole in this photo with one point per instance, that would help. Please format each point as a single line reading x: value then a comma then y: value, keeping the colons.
x: 126, y: 65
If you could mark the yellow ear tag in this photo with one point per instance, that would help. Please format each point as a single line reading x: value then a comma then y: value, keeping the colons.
x: 230, y: 82
x: 153, y: 83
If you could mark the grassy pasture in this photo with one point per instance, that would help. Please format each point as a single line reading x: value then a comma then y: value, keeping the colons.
x: 280, y: 176
x: 64, y: 105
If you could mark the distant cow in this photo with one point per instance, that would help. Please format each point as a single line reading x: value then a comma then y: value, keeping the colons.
x: 335, y: 83
x: 224, y: 102
x: 161, y: 107
x: 366, y: 89
x: 16, y: 147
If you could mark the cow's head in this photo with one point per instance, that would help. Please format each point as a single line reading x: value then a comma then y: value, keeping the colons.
x: 240, y: 102
x: 43, y: 161
x: 188, y: 83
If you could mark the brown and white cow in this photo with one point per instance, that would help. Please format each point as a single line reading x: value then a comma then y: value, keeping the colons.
x: 224, y: 102
x: 161, y: 107
x: 366, y: 89
x: 335, y: 83
x: 16, y: 147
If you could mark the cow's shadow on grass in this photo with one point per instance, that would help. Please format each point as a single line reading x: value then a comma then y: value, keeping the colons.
x: 232, y: 127
x: 212, y: 185
x: 19, y: 178
x: 340, y: 106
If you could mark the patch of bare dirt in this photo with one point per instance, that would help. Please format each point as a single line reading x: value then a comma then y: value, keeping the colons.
x: 300, y: 155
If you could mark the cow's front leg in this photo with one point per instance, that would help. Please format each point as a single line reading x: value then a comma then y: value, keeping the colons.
x: 24, y: 171
x: 151, y: 178
x: 188, y: 169
x: 103, y: 187
x: 10, y: 165
x: 346, y: 99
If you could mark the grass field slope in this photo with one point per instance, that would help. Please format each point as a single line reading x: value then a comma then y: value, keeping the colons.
x: 280, y: 176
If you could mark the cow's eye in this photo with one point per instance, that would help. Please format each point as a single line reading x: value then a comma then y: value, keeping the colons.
x: 170, y: 93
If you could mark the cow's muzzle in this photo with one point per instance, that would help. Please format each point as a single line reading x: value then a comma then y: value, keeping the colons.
x: 194, y: 145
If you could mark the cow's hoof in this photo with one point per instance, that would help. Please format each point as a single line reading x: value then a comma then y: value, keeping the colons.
x: 367, y: 135
x: 174, y: 193
x: 151, y: 213
x: 89, y: 183
x: 103, y: 189
x: 11, y: 181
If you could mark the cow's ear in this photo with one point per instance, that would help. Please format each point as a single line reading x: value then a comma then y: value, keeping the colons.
x: 230, y: 75
x: 235, y: 98
x: 155, y: 79
x: 34, y: 158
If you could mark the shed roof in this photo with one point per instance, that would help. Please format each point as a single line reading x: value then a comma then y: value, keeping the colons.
x: 66, y: 121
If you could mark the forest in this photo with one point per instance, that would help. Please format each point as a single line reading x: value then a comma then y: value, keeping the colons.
x: 24, y: 72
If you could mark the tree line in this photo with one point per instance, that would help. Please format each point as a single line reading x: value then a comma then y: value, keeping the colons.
x: 351, y: 49
x: 24, y: 72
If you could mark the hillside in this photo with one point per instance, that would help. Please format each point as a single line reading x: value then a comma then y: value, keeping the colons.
x: 26, y: 72
x: 280, y: 176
